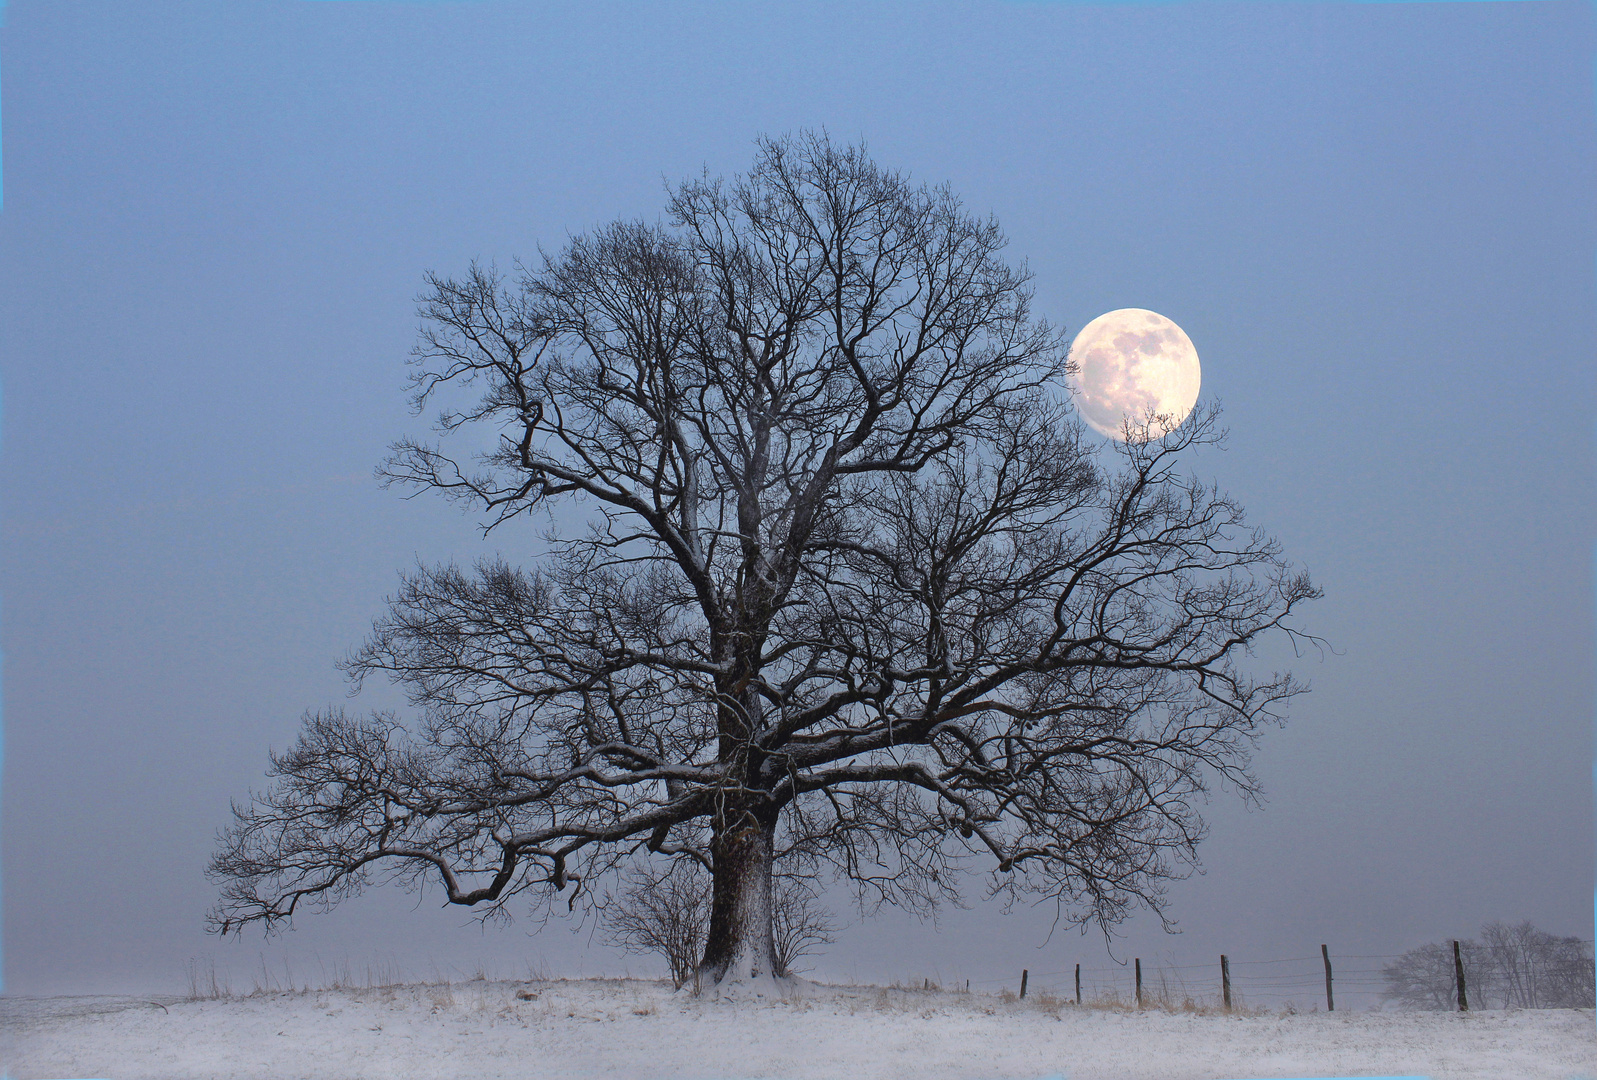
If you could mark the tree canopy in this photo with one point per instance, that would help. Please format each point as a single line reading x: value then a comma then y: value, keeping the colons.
x: 855, y: 586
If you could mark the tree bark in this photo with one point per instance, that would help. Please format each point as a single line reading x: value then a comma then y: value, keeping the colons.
x: 740, y: 946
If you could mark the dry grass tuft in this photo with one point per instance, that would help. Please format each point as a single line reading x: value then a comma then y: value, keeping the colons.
x: 203, y: 983
x: 1163, y: 1000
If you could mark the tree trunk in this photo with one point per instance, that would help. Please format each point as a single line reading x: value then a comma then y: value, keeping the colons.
x: 740, y: 945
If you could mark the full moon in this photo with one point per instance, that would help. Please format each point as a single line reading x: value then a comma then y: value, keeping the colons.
x: 1134, y: 364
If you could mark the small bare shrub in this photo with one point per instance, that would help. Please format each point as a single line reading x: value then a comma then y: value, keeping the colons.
x: 798, y: 925
x: 665, y: 911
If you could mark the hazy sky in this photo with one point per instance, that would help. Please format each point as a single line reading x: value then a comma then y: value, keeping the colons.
x: 1374, y: 221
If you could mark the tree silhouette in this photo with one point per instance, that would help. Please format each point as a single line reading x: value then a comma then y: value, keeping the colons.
x: 855, y: 587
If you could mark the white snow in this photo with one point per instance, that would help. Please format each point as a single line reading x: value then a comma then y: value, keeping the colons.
x: 634, y: 1028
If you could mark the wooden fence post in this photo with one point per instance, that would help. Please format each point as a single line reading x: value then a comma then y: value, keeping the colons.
x: 1330, y: 1002
x: 1023, y: 974
x: 1078, y: 984
x: 1225, y: 981
x: 1458, y: 970
x: 1139, y: 982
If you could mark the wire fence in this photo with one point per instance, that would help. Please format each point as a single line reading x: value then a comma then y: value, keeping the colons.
x: 1358, y: 980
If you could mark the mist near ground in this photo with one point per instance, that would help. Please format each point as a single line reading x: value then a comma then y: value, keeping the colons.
x: 1374, y: 222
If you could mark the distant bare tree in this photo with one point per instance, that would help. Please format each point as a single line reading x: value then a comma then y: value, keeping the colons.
x: 1533, y: 969
x: 856, y: 585
x: 1518, y: 967
x: 1424, y: 977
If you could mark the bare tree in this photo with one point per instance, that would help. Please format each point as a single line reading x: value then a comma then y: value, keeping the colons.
x: 1533, y: 969
x: 664, y: 911
x: 1425, y: 977
x: 799, y: 925
x: 855, y: 587
x: 1508, y: 967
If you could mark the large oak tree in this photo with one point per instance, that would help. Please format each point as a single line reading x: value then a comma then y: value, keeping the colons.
x: 855, y: 588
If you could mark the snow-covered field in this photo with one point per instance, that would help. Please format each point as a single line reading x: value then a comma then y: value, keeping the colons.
x: 633, y: 1028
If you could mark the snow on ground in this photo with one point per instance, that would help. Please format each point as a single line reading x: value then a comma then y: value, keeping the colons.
x: 633, y: 1028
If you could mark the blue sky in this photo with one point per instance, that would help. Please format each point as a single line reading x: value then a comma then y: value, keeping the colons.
x: 1374, y: 221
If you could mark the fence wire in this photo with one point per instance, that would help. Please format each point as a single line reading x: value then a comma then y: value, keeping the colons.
x: 1273, y: 982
